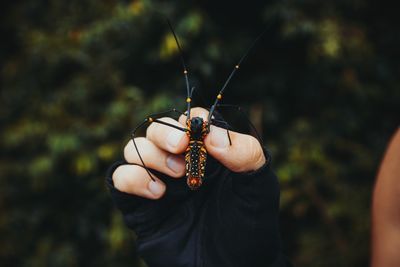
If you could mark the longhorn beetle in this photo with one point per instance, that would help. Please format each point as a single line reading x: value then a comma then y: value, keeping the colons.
x: 196, y: 128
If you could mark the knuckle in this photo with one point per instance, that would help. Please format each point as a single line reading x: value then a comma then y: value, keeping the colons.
x: 128, y: 150
x: 250, y: 156
x: 257, y: 155
x: 129, y: 179
x: 128, y: 147
x: 156, y: 131
x: 120, y: 178
x: 240, y: 164
x: 140, y: 141
x: 255, y: 148
x: 151, y: 129
x: 182, y: 119
x: 236, y: 161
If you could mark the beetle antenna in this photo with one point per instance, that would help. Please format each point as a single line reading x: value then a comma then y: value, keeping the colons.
x: 237, y: 66
x: 185, y: 71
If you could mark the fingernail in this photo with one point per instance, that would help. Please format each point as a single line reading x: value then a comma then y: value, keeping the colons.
x: 174, y: 137
x: 219, y: 137
x: 175, y: 164
x: 156, y: 188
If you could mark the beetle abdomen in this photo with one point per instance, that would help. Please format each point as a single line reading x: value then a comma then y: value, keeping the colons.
x: 196, y: 156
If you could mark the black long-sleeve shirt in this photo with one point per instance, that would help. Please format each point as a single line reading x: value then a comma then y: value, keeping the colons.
x: 232, y: 220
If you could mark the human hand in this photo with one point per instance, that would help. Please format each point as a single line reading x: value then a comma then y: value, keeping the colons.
x: 231, y: 220
x: 162, y: 147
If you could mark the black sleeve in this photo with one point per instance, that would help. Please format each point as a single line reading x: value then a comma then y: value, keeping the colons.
x: 232, y: 220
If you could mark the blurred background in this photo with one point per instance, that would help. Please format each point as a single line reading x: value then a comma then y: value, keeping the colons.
x: 78, y: 76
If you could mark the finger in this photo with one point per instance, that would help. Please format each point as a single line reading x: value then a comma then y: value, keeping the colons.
x: 133, y: 179
x: 166, y: 137
x: 243, y: 155
x: 154, y: 157
x: 194, y: 112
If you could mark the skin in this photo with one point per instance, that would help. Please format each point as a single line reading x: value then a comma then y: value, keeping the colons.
x: 162, y: 150
x: 386, y: 209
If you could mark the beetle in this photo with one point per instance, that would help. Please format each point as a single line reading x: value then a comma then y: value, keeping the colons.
x: 196, y: 128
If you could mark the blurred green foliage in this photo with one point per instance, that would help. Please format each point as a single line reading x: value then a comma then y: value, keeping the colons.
x: 77, y: 76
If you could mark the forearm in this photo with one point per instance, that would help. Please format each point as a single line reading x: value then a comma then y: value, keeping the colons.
x: 386, y: 209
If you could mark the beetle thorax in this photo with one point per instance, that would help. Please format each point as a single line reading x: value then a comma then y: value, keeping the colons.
x: 197, y: 128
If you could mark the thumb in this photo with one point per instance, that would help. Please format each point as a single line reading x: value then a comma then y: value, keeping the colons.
x: 245, y: 154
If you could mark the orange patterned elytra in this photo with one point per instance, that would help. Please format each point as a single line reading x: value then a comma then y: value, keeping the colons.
x: 196, y: 153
